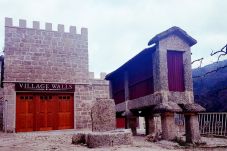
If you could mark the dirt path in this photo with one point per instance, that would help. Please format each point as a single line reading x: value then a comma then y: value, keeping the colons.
x: 61, y: 141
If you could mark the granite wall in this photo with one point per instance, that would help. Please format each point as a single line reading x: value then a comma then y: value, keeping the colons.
x: 36, y: 55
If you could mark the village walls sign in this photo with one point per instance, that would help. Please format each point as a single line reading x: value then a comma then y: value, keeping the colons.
x: 44, y: 87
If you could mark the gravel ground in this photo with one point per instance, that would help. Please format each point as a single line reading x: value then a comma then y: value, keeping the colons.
x: 61, y: 141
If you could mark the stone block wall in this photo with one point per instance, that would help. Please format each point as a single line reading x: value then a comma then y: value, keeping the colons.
x: 83, y: 99
x: 100, y: 88
x: 160, y: 71
x: 34, y: 54
x: 1, y: 97
x: 37, y: 55
x: 10, y: 107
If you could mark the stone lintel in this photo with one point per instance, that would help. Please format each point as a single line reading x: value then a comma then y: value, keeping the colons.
x: 120, y: 107
x: 145, y: 101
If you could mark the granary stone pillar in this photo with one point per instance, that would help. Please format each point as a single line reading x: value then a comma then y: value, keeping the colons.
x: 150, y: 124
x: 192, y: 128
x: 131, y: 120
x: 168, y: 126
x: 167, y: 111
x: 191, y: 121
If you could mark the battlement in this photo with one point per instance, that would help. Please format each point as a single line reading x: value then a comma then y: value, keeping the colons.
x: 102, y: 76
x: 48, y: 26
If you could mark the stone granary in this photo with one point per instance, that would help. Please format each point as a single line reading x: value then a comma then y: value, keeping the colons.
x: 46, y: 81
x: 158, y: 80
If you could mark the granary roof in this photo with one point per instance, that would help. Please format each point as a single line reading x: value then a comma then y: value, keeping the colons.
x: 173, y: 30
x: 122, y: 67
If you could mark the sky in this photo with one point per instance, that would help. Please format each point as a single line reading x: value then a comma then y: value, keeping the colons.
x: 120, y: 29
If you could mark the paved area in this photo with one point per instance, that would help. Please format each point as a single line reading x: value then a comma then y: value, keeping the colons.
x: 61, y: 141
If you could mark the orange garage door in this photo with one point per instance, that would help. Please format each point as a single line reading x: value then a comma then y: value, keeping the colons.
x: 40, y: 112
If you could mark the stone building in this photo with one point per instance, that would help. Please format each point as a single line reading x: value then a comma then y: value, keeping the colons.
x: 158, y: 80
x: 46, y: 82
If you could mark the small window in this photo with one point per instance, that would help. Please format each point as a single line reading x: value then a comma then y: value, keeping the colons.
x: 45, y: 97
x: 68, y: 97
x: 30, y: 97
x: 60, y: 97
x: 26, y: 97
x: 21, y: 97
x: 64, y: 97
x: 41, y: 97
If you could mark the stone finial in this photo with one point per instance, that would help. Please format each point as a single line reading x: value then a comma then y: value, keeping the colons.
x: 36, y: 25
x: 48, y: 26
x: 103, y: 115
x: 22, y: 23
x: 61, y: 28
x: 72, y: 29
x: 102, y: 75
x: 8, y: 21
x: 91, y: 75
x: 84, y: 31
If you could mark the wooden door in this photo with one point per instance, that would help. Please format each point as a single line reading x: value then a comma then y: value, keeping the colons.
x: 42, y: 112
x: 45, y: 112
x: 65, y: 111
x: 24, y: 112
x: 175, y: 71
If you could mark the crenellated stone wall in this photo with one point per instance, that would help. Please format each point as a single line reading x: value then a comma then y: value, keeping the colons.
x: 35, y: 55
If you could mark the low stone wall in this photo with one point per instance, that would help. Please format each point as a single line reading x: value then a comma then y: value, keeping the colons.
x: 103, y: 139
x: 110, y: 138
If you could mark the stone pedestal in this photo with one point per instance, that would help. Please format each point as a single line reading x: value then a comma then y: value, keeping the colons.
x: 104, y: 133
x: 150, y: 124
x: 168, y: 126
x: 109, y: 138
x: 192, y: 128
x: 103, y: 115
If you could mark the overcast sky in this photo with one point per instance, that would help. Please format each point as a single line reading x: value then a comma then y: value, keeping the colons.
x: 119, y: 29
